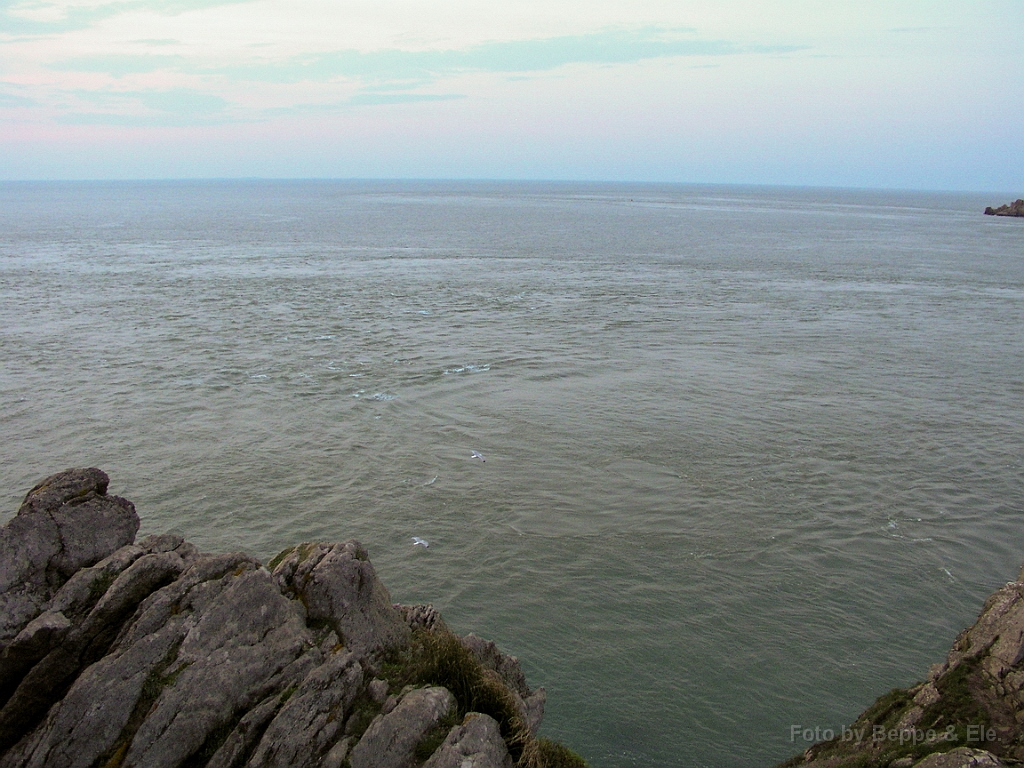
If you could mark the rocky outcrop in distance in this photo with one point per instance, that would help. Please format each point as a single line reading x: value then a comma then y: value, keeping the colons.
x: 117, y: 653
x: 1016, y: 208
x: 968, y: 713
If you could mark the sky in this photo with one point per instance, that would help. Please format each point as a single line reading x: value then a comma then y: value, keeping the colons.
x: 902, y: 94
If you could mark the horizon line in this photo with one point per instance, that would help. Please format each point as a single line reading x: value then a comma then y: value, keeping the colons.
x: 491, y: 180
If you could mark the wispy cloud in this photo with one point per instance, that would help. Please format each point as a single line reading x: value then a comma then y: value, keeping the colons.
x: 119, y: 65
x: 21, y: 17
x: 190, y: 107
x: 356, y: 101
x: 640, y: 89
x: 13, y: 100
x: 378, y: 99
x: 160, y: 82
x: 182, y: 101
x: 519, y: 56
x: 129, y: 120
x: 149, y: 108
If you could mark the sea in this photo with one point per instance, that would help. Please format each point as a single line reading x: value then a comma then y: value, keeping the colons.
x: 720, y: 465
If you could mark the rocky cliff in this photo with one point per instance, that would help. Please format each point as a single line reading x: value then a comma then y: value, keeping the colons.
x: 1016, y: 208
x: 968, y: 713
x: 122, y: 653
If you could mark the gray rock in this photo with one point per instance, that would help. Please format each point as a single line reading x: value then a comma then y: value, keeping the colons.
x: 389, y: 704
x: 391, y: 739
x: 237, y: 642
x: 927, y: 695
x: 81, y: 592
x: 476, y: 743
x: 308, y: 724
x: 378, y: 691
x: 137, y: 582
x: 54, y: 491
x: 92, y: 528
x: 88, y: 722
x: 336, y: 757
x: 338, y: 585
x: 960, y: 758
x: 1016, y: 208
x: 196, y: 584
x: 38, y: 638
x: 41, y: 634
x: 228, y: 642
x: 68, y: 607
x: 151, y: 654
x: 490, y: 656
x: 163, y: 542
x: 422, y: 617
x: 243, y: 738
x: 66, y: 522
x: 529, y: 703
x: 997, y: 636
x: 84, y: 644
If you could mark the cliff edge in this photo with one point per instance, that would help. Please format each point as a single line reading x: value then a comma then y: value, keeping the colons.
x: 968, y: 713
x: 122, y: 653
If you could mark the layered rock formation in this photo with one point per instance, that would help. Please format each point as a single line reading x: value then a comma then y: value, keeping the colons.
x: 1016, y: 208
x: 968, y: 713
x: 122, y: 653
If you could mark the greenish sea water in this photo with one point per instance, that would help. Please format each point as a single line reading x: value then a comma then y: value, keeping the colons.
x: 753, y: 455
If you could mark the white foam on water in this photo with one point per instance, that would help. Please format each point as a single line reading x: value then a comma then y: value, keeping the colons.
x: 467, y: 369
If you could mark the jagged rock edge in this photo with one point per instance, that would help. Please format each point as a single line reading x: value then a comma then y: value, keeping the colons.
x: 356, y: 626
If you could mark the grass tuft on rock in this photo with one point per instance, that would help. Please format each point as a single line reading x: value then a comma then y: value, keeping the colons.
x: 279, y: 558
x: 551, y: 754
x: 960, y: 689
x: 435, y: 737
x: 439, y: 658
x: 363, y: 710
x: 99, y: 587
